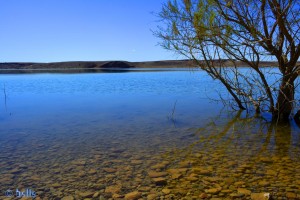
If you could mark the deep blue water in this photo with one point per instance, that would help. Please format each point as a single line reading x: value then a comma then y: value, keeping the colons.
x: 43, y: 101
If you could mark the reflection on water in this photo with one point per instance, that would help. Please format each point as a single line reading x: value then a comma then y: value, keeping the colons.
x: 108, y: 136
x: 236, y: 158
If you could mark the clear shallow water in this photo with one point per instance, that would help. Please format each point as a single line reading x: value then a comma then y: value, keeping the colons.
x: 103, y: 97
x: 106, y: 133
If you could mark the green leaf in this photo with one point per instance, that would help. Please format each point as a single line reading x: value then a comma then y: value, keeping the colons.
x: 175, y: 29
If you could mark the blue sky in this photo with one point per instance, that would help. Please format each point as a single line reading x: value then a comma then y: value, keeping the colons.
x: 79, y: 30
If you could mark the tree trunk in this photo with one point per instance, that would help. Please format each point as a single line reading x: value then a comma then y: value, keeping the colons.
x: 297, y: 118
x: 285, y: 100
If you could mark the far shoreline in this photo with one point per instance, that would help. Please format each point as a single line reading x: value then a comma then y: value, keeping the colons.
x: 107, y: 66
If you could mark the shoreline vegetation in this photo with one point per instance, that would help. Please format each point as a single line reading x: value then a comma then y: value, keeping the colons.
x: 112, y: 64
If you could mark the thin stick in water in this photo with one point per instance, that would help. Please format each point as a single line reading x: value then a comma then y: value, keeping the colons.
x: 5, y: 96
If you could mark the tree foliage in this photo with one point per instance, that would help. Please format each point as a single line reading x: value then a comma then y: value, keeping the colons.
x: 211, y: 32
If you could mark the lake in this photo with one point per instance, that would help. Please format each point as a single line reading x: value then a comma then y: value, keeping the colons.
x: 150, y: 134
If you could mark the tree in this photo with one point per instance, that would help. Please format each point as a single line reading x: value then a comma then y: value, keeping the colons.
x: 217, y: 34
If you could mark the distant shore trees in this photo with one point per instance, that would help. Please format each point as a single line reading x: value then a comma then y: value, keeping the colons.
x: 250, y: 31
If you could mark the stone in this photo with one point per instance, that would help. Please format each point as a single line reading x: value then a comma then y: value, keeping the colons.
x: 236, y: 195
x: 158, y: 166
x: 266, y: 160
x: 15, y: 171
x: 110, y: 170
x: 56, y: 185
x: 203, y: 196
x: 160, y: 181
x: 133, y: 195
x: 239, y: 183
x: 68, y: 198
x: 92, y: 171
x: 185, y: 164
x: 7, y: 178
x: 177, y: 171
x: 229, y: 181
x: 154, y: 174
x: 212, y: 179
x: 81, y: 174
x: 226, y: 191
x: 117, y: 196
x: 79, y: 162
x: 179, y: 191
x: 213, y: 191
x: 136, y: 162
x: 201, y: 171
x: 114, y: 189
x: 263, y: 183
x: 271, y: 172
x: 176, y: 176
x: 144, y: 189
x: 291, y: 195
x: 244, y: 191
x: 246, y: 166
x: 116, y: 161
x: 86, y: 194
x: 192, y: 177
x: 166, y: 191
x: 260, y: 196
x: 96, y: 195
x: 151, y: 197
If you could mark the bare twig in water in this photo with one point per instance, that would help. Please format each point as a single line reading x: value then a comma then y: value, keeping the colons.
x: 173, y: 111
x: 172, y: 116
x: 5, y: 96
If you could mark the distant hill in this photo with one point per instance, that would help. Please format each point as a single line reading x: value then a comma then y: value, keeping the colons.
x: 96, y: 64
x: 106, y: 65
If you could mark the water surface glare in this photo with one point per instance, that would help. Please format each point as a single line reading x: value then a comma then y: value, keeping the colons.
x: 149, y: 135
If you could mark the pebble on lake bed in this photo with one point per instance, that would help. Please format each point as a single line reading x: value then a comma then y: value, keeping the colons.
x: 133, y: 196
x: 260, y: 196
